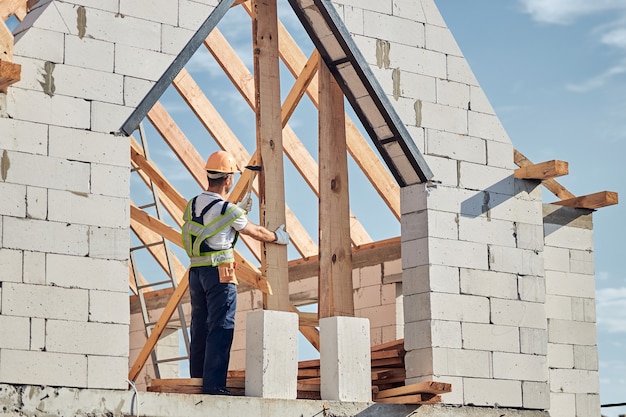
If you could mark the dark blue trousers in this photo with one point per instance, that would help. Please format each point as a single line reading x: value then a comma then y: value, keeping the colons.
x: 213, y: 308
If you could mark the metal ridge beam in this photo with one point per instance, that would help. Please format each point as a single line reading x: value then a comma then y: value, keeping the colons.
x: 361, y: 88
x: 172, y: 71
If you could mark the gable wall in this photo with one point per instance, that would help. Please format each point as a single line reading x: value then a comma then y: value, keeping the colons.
x: 64, y: 215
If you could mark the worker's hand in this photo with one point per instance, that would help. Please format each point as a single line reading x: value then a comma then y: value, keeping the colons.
x: 246, y: 203
x: 282, y: 237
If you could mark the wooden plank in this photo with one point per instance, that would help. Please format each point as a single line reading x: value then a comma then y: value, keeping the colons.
x: 310, y: 333
x: 295, y: 150
x: 411, y: 399
x: 429, y: 387
x: 542, y: 171
x: 155, y: 225
x: 395, y: 344
x: 308, y: 319
x: 270, y: 145
x: 591, y: 201
x: 10, y: 73
x: 552, y: 185
x: 300, y: 86
x: 335, y: 266
x: 9, y: 7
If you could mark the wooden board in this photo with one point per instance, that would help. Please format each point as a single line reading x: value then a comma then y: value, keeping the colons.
x: 542, y: 171
x: 591, y: 201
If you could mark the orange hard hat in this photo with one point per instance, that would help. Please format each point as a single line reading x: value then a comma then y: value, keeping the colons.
x: 221, y: 162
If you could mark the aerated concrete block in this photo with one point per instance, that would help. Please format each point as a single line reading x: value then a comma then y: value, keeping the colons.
x: 418, y: 85
x: 84, y: 338
x: 36, y: 203
x: 109, y: 243
x: 570, y: 284
x: 34, y: 268
x: 174, y: 39
x: 451, y: 93
x: 162, y: 11
x: 100, y: 303
x: 135, y: 89
x: 558, y: 307
x: 426, y: 278
x: 271, y: 354
x: 480, y: 103
x: 568, y: 237
x: 50, y: 173
x: 581, y: 262
x: 455, y: 146
x: 532, y: 289
x: 487, y: 231
x: 586, y: 357
x: 575, y: 381
x: 562, y: 404
x: 556, y: 259
x: 533, y: 341
x: 52, y: 302
x: 479, y: 336
x: 11, y: 262
x: 88, y: 146
x: 418, y: 61
x: 107, y: 117
x: 440, y: 117
x: 353, y: 18
x: 560, y: 356
x: 536, y: 395
x: 587, y: 405
x: 70, y: 271
x: 518, y: 313
x: 583, y: 309
x: 15, y: 332
x: 492, y: 392
x: 153, y: 63
x: 393, y: 29
x: 45, y: 236
x: 446, y: 170
x: 42, y: 44
x: 37, y: 333
x: 486, y: 126
x: 514, y: 260
x: 457, y: 69
x: 407, y: 9
x: 43, y: 368
x: 109, y: 180
x: 107, y: 372
x: 520, y: 367
x: 440, y: 39
x: 345, y: 361
x: 13, y: 201
x: 192, y: 14
x: 461, y: 362
x: 89, y: 53
x: 572, y: 332
x: 383, y: 7
x: 488, y: 283
x: 22, y: 136
x: 89, y: 209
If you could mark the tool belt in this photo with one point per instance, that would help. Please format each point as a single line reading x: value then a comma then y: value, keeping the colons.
x: 227, y: 273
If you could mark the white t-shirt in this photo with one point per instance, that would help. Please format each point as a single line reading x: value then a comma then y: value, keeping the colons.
x: 224, y: 238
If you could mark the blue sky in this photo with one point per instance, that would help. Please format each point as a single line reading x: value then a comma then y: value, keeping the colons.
x: 555, y: 72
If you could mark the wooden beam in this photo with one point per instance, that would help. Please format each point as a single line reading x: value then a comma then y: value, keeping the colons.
x: 425, y: 387
x: 310, y: 333
x: 10, y: 73
x: 270, y: 145
x: 591, y: 201
x: 542, y: 171
x: 552, y: 185
x: 335, y: 266
x: 10, y: 7
x: 300, y: 86
x: 366, y: 255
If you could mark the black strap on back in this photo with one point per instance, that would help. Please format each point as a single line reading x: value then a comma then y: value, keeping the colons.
x: 200, y: 218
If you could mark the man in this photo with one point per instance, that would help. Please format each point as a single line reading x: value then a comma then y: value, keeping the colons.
x: 209, y: 234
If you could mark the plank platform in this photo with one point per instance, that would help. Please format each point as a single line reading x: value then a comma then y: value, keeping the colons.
x: 388, y: 376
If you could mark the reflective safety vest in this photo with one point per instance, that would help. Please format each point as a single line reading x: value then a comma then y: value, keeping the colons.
x: 195, y: 233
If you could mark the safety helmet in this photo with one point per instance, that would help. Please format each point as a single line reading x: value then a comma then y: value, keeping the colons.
x: 220, y: 163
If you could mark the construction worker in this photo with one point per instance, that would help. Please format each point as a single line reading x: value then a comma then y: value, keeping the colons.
x: 209, y: 233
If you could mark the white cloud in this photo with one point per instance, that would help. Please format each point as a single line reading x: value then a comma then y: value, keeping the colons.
x: 599, y: 80
x: 615, y: 37
x: 566, y: 11
x: 611, y: 309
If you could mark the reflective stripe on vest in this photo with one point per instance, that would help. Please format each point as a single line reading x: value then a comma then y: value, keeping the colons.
x: 195, y: 233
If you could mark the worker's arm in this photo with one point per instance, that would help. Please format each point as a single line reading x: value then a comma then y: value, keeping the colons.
x: 262, y: 234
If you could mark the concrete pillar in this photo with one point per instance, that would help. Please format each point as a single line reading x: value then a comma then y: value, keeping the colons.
x: 345, y: 359
x: 271, y: 354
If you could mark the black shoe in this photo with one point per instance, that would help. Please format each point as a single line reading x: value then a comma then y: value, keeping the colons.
x: 218, y: 391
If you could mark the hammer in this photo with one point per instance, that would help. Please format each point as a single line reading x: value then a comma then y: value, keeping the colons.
x: 255, y: 168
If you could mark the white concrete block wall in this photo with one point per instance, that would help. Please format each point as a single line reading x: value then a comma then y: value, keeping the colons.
x: 472, y: 242
x: 570, y: 307
x: 64, y: 230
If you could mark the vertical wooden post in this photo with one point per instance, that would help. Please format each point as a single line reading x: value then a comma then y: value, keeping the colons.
x: 335, y: 275
x: 270, y: 145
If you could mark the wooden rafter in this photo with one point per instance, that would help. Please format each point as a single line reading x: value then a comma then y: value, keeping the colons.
x: 542, y: 171
x: 552, y: 185
x: 591, y: 201
x: 300, y: 86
